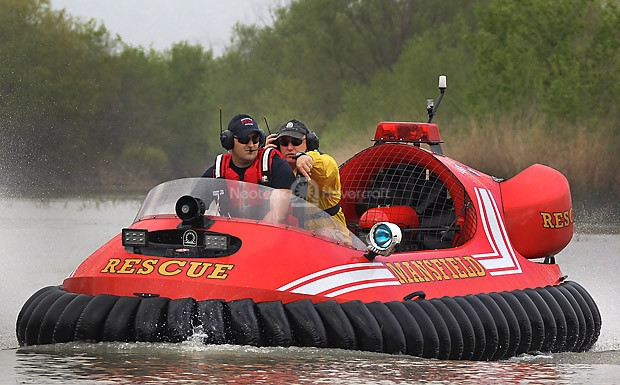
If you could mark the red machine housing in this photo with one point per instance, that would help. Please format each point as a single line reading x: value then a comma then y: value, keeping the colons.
x: 538, y: 211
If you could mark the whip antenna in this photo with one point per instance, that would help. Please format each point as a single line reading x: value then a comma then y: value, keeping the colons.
x: 266, y: 124
x: 220, y: 120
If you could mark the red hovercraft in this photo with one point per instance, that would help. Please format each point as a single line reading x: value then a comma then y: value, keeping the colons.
x: 454, y: 264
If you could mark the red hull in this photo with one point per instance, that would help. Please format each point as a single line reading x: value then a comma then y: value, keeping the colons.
x: 278, y: 262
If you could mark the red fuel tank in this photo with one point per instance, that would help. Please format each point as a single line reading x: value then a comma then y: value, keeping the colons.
x: 538, y: 211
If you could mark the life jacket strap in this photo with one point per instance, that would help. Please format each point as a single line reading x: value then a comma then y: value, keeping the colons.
x: 333, y: 210
x: 218, y: 166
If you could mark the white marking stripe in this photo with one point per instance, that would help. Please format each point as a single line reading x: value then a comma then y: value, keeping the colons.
x: 218, y: 166
x: 502, y: 256
x: 503, y: 241
x: 482, y: 210
x: 341, y: 279
x: 362, y: 286
x: 494, y: 236
x: 266, y: 159
x: 501, y: 260
x: 329, y: 271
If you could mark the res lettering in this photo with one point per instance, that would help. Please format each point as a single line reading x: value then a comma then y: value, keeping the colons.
x: 557, y: 220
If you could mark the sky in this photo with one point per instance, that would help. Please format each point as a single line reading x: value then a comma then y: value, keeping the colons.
x: 160, y: 23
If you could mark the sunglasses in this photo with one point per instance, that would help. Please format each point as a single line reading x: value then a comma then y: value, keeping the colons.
x: 255, y: 139
x: 285, y: 141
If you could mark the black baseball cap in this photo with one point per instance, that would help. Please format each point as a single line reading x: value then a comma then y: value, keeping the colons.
x: 293, y: 128
x: 242, y: 125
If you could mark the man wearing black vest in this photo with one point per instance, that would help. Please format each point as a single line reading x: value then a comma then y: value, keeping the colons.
x: 248, y: 161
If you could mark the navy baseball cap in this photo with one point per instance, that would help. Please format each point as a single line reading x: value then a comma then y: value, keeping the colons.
x: 242, y: 125
x: 293, y: 128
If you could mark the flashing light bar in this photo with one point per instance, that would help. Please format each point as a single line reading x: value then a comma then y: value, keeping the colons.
x: 216, y: 242
x: 407, y: 132
x: 135, y: 237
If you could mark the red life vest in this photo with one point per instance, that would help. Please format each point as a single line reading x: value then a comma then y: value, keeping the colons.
x: 258, y: 172
x: 248, y: 203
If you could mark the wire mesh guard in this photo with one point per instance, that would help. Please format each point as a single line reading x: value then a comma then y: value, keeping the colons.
x: 405, y: 184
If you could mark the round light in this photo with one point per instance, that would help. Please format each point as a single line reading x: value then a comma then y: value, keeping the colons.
x: 383, y: 237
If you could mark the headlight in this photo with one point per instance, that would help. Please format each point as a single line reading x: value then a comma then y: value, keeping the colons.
x: 135, y: 237
x: 383, y: 238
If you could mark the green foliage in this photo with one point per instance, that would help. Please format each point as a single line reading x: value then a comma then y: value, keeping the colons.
x: 78, y: 106
x: 51, y: 84
x: 144, y: 162
x: 400, y: 92
x: 556, y: 55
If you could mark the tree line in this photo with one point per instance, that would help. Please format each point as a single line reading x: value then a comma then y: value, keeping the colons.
x: 81, y: 110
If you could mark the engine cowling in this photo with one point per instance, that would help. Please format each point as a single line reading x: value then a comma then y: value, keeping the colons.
x: 538, y: 211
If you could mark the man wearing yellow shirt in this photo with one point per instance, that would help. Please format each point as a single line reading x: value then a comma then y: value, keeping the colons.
x: 300, y: 148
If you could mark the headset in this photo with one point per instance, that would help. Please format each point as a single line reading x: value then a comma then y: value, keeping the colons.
x: 312, y: 141
x: 227, y: 138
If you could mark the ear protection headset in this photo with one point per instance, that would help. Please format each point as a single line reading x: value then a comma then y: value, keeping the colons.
x: 227, y: 137
x: 263, y: 138
x: 312, y: 141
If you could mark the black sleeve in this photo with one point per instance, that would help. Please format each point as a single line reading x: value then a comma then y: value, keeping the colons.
x: 209, y: 172
x: 281, y: 173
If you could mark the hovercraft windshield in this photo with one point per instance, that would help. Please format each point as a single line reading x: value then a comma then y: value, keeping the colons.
x: 240, y: 201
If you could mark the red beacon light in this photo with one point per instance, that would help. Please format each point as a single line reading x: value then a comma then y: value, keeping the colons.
x: 416, y: 133
x: 407, y: 132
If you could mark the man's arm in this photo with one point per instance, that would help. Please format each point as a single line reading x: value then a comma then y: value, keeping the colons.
x: 321, y: 168
x: 278, y: 205
x: 282, y: 177
x: 209, y: 172
x: 281, y: 174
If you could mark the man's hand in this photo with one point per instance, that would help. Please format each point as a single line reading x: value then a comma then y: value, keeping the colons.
x: 304, y: 164
x: 270, y: 141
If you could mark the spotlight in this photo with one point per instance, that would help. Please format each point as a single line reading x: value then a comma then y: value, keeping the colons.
x: 383, y: 238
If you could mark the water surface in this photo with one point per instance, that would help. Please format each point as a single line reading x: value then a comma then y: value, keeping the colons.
x: 43, y: 241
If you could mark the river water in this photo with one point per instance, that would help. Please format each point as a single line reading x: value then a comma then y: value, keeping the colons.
x: 43, y: 241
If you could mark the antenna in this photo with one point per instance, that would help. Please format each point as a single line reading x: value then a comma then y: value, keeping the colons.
x: 431, y: 108
x: 220, y: 120
x: 266, y: 124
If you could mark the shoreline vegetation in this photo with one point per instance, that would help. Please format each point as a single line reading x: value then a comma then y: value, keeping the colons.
x: 590, y: 217
x: 83, y: 113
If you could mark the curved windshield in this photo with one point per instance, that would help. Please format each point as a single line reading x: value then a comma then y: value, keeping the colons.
x: 240, y: 200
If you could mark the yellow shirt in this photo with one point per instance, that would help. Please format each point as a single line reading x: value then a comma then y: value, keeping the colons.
x: 326, y: 175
